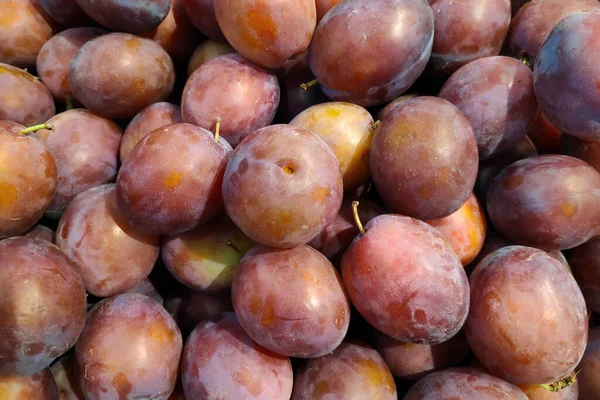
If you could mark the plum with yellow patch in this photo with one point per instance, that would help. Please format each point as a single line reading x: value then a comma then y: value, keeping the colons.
x: 40, y: 386
x: 291, y: 301
x: 206, y: 52
x: 130, y: 348
x: 221, y: 360
x: 348, y: 131
x: 353, y: 370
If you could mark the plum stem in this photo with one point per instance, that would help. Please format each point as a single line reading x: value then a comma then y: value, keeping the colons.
x: 561, y: 383
x: 35, y: 128
x: 305, y: 86
x: 229, y: 243
x: 69, y: 103
x: 375, y: 125
x: 524, y: 58
x: 217, y: 129
x: 359, y: 224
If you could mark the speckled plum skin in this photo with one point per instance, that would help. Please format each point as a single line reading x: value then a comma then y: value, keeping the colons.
x: 496, y: 95
x: 149, y: 119
x: 393, y: 104
x: 589, y: 378
x: 424, y: 158
x: 86, y: 149
x: 352, y: 371
x: 464, y: 229
x: 584, y: 150
x: 55, y: 57
x: 536, y: 392
x: 268, y: 33
x: 308, y: 319
x: 202, y: 259
x: 111, y: 255
x: 184, y: 166
x: 465, y: 31
x: 550, y: 202
x: 23, y: 99
x: 206, y: 52
x: 242, y: 94
x: 567, y: 73
x: 221, y: 360
x: 390, y: 282
x: 132, y: 16
x: 42, y: 307
x: 333, y: 241
x: 282, y: 186
x: 534, y: 22
x: 24, y: 28
x: 40, y: 386
x: 129, y: 349
x: 202, y: 15
x: 528, y: 320
x: 409, y: 361
x: 66, y: 12
x: 585, y: 263
x: 369, y: 52
x: 348, y: 131
x: 463, y: 383
x: 28, y: 181
x: 118, y: 75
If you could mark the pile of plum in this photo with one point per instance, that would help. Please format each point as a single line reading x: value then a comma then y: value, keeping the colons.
x: 299, y: 199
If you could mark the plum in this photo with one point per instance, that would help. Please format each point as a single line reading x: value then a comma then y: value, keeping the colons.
x: 323, y: 7
x: 537, y: 392
x: 127, y: 15
x: 585, y: 263
x: 64, y: 374
x: 40, y: 386
x: 41, y: 232
x: 190, y: 307
x: 66, y: 12
x: 582, y: 149
x: 206, y: 51
x: 589, y: 378
x: 545, y: 136
x: 202, y: 15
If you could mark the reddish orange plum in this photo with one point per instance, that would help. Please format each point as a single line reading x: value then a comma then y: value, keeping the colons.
x: 55, y: 57
x: 268, y: 33
x: 389, y: 281
x: 23, y: 98
x: 348, y: 131
x: 353, y: 370
x: 202, y: 15
x: 221, y: 360
x: 464, y: 229
x: 86, y: 149
x: 149, y: 119
x: 124, y: 335
x: 127, y: 15
x: 206, y: 52
x: 40, y: 386
x: 207, y: 257
x: 282, y: 186
x: 43, y: 305
x: 308, y: 319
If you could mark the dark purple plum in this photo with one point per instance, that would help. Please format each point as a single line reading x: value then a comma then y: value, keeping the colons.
x: 66, y: 12
x: 585, y: 263
x: 589, y: 378
x: 132, y: 16
x: 202, y: 15
x: 190, y: 307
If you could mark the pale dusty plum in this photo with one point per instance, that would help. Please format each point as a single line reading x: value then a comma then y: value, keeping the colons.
x: 176, y: 33
x: 545, y: 136
x: 184, y: 167
x: 118, y: 75
x: 550, y: 202
x: 111, y: 255
x: 410, y: 361
x: 202, y: 15
x: 393, y: 104
x: 566, y: 75
x: 353, y: 371
x: 23, y: 98
x: 370, y: 52
x: 129, y: 349
x: 127, y: 15
x: 537, y: 392
x: 190, y: 307
x: 348, y: 131
x: 55, y: 57
x: 41, y: 232
x: 24, y: 28
x: 582, y: 149
x: 465, y: 31
x: 149, y: 119
x: 424, y: 158
x: 42, y: 307
x: 40, y: 386
x: 221, y: 361
x: 464, y: 229
x: 333, y: 241
x: 323, y: 6
x: 309, y: 318
x: 239, y: 92
x: 414, y: 289
x: 282, y: 186
x: 534, y: 22
x: 66, y: 12
x: 528, y: 320
x: 496, y: 95
x: 206, y: 52
x: 206, y: 257
x: 589, y: 378
x: 463, y: 383
x: 585, y: 263
x: 268, y: 33
x: 64, y: 375
x: 86, y: 149
x: 28, y: 180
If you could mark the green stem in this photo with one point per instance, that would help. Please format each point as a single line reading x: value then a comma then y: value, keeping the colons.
x: 36, y: 128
